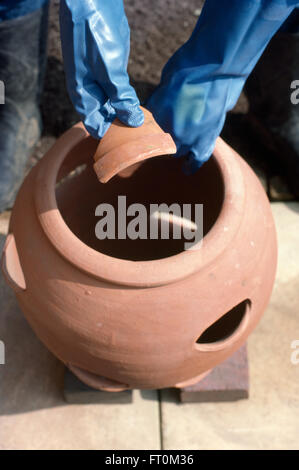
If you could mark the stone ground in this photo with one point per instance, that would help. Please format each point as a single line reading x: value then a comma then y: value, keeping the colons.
x: 158, y: 28
x: 33, y: 414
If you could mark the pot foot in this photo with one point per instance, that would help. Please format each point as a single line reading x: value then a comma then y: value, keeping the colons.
x: 96, y: 381
x: 77, y: 392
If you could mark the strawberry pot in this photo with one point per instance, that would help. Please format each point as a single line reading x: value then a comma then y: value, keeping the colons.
x: 141, y: 313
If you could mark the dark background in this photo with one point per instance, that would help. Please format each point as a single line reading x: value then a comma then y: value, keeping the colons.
x: 158, y: 29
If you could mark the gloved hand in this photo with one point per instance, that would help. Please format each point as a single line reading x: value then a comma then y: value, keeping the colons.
x: 95, y: 38
x: 204, y: 78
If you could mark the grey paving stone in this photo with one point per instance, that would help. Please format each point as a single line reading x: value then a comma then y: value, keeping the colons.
x: 270, y: 418
x: 226, y: 382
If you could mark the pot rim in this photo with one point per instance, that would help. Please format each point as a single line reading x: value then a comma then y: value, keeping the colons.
x: 150, y: 273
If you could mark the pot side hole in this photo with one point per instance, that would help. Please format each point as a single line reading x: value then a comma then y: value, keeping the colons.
x: 226, y: 325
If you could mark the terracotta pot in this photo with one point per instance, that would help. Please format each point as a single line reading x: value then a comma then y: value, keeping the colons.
x: 144, y: 313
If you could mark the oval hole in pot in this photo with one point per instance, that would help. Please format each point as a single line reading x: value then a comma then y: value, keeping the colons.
x: 227, y: 325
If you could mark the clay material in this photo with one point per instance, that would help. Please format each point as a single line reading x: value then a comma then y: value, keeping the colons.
x: 139, y: 313
x: 123, y: 146
x: 76, y: 392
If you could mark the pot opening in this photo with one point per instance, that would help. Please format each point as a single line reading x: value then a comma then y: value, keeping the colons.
x: 159, y: 180
x: 227, y: 325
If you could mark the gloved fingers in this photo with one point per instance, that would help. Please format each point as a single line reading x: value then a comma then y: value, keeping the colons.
x: 106, y: 35
x: 97, y: 118
x: 193, y: 112
x: 203, y: 143
x: 97, y: 112
x: 95, y: 39
x: 87, y: 96
x: 128, y: 113
x: 190, y: 164
x: 123, y: 98
x: 110, y: 73
x: 196, y: 158
x: 92, y: 105
x: 204, y: 139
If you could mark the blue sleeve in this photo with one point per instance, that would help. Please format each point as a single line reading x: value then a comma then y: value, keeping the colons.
x: 204, y: 78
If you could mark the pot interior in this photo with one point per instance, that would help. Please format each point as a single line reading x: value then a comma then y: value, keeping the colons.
x: 159, y: 180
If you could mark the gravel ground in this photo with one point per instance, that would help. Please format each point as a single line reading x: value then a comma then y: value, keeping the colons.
x: 158, y: 29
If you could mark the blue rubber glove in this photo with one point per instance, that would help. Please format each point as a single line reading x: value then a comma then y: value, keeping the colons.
x: 95, y: 38
x: 204, y: 78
